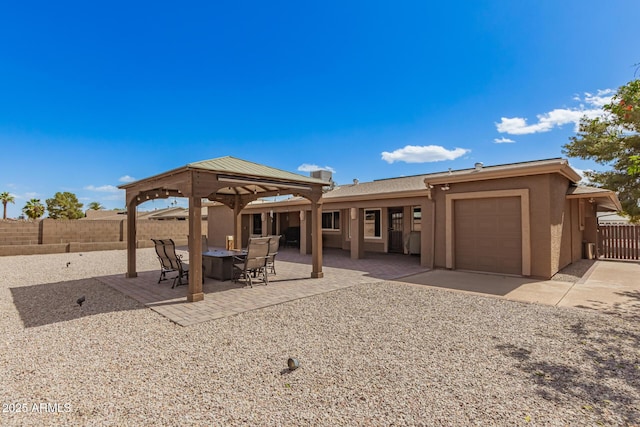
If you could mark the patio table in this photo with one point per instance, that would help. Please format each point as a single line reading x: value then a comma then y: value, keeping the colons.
x: 218, y: 263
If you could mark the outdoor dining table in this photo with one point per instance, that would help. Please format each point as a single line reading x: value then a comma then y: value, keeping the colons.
x: 218, y: 263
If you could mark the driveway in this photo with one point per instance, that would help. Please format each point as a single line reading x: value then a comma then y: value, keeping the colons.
x: 608, y: 286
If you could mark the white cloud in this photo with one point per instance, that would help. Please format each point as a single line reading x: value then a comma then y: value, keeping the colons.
x: 307, y: 167
x: 503, y: 141
x: 126, y: 178
x: 583, y: 179
x: 422, y: 154
x: 601, y: 98
x: 103, y: 188
x: 558, y: 116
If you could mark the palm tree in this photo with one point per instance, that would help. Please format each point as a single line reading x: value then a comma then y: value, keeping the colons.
x: 5, y: 197
x: 96, y: 206
x: 33, y: 209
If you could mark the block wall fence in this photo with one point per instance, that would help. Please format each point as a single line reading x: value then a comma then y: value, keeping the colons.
x: 57, y: 236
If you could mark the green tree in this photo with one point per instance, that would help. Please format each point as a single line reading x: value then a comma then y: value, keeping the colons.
x: 64, y: 206
x: 33, y: 209
x: 6, y: 198
x: 614, y: 140
x: 96, y: 206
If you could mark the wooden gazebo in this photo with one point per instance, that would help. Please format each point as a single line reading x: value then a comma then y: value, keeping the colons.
x: 228, y: 180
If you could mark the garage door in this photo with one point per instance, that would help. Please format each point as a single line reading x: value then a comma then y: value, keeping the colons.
x: 488, y: 235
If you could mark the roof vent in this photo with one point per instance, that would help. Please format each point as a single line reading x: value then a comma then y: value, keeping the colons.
x: 479, y: 166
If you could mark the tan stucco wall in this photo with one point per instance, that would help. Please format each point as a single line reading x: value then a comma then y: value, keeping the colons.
x: 555, y: 238
x: 539, y: 210
x: 572, y: 236
x: 220, y: 226
x: 559, y: 222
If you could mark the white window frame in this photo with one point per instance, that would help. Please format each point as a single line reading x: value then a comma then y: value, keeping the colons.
x: 336, y: 224
x: 413, y: 217
x: 365, y: 223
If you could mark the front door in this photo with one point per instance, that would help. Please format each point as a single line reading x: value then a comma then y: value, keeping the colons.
x: 395, y: 230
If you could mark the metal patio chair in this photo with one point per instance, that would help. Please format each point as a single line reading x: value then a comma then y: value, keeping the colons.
x: 274, y: 246
x: 252, y: 266
x: 170, y: 261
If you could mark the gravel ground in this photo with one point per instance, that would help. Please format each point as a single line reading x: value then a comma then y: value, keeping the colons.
x: 574, y: 271
x: 383, y: 354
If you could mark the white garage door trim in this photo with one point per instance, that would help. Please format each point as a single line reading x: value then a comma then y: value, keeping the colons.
x: 525, y: 222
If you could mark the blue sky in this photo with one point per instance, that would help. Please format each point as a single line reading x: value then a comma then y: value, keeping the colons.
x: 95, y: 93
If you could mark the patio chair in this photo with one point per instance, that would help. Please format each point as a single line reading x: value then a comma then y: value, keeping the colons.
x: 274, y: 245
x: 252, y: 266
x: 170, y: 261
x: 292, y: 237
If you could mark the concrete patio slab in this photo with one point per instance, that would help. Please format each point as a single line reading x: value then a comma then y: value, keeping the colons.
x: 509, y: 287
x: 608, y: 286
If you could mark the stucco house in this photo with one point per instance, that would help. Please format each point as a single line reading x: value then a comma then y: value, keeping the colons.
x: 528, y: 219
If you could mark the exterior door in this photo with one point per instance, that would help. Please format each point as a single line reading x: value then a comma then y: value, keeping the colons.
x: 395, y: 230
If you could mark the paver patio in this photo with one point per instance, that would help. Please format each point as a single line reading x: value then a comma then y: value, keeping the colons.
x: 292, y: 282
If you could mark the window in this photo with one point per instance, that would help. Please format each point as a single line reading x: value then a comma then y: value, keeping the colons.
x: 257, y: 224
x: 372, y: 226
x: 331, y: 220
x: 416, y: 220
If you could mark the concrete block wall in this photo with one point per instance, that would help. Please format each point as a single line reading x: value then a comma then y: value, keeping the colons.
x: 57, y: 236
x: 67, y: 231
x: 19, y: 233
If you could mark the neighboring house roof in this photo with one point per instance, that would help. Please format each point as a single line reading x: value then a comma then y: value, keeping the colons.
x: 101, y: 214
x: 611, y: 218
x: 172, y: 213
x: 157, y: 214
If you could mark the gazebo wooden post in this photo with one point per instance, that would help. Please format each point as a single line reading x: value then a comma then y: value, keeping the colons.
x: 316, y: 237
x: 237, y: 224
x: 195, y: 250
x: 131, y: 237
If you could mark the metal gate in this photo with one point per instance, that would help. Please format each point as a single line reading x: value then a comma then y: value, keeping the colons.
x: 619, y: 241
